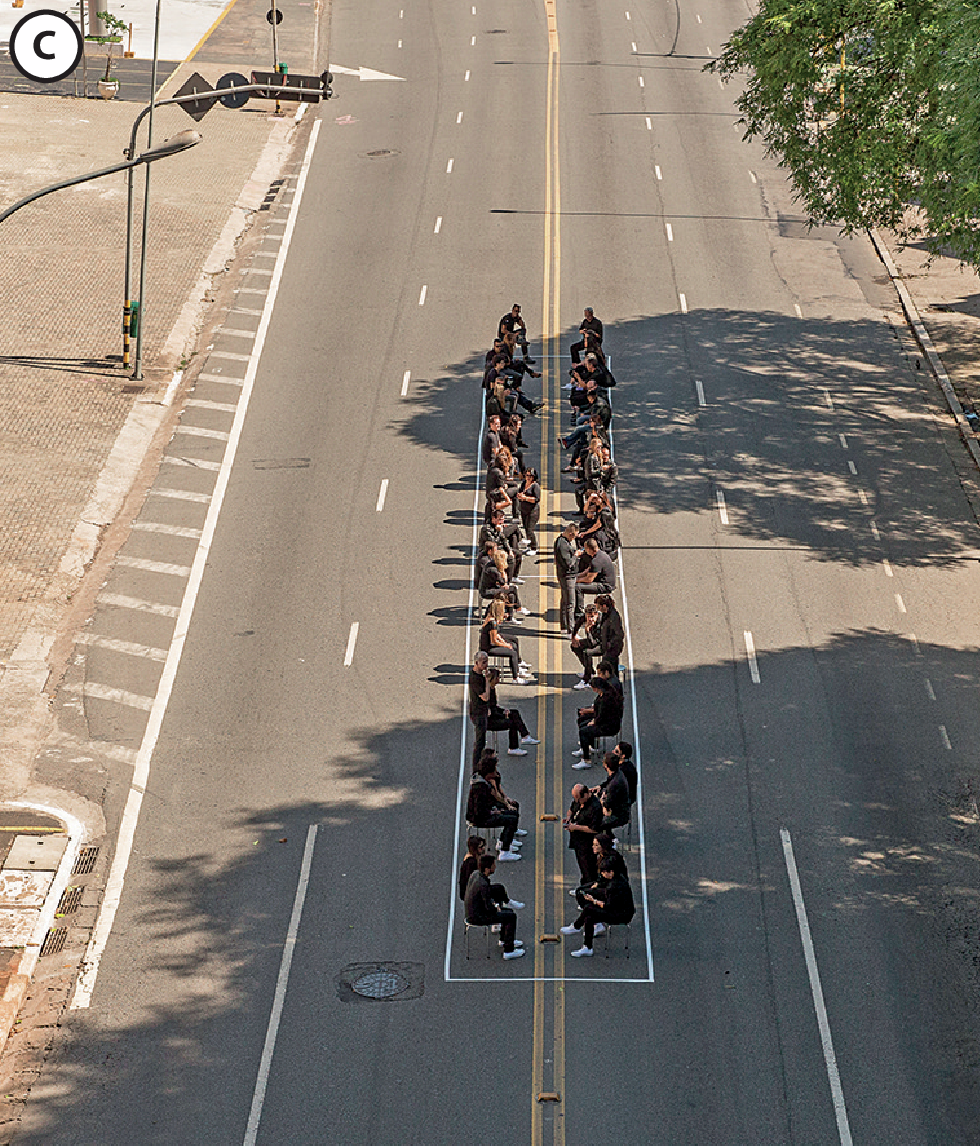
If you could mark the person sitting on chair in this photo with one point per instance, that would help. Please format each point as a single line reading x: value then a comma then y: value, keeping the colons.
x: 607, y: 905
x: 602, y: 719
x: 483, y: 811
x: 614, y: 794
x: 506, y: 718
x: 476, y: 846
x: 482, y: 911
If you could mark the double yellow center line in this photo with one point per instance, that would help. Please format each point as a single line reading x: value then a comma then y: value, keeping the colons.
x: 548, y: 1049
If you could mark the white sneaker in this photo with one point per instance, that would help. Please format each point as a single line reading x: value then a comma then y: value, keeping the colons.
x: 520, y: 831
x: 522, y: 680
x: 600, y: 928
x: 581, y: 953
x: 571, y: 929
x: 495, y: 928
x: 523, y: 665
x: 516, y: 751
x: 516, y: 621
x: 508, y: 857
x: 525, y: 612
x: 517, y: 953
x: 529, y: 740
x: 578, y: 752
x: 573, y: 891
x: 517, y: 942
x: 518, y: 581
x: 530, y: 553
x: 514, y: 904
x: 580, y: 764
x: 582, y: 685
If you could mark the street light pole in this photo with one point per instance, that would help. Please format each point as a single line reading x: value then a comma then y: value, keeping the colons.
x: 138, y: 365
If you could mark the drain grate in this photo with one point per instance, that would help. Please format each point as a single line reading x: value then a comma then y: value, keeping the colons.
x: 380, y: 984
x: 54, y: 941
x: 85, y: 864
x: 380, y: 981
x: 71, y: 900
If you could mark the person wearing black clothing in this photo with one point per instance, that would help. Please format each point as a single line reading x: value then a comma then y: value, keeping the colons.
x: 507, y: 719
x: 566, y: 565
x: 600, y: 577
x: 476, y: 846
x: 614, y: 795
x: 602, y: 719
x: 612, y: 635
x: 481, y: 911
x: 607, y: 905
x: 491, y: 440
x: 483, y: 811
x: 624, y: 752
x: 493, y: 643
x: 610, y: 471
x: 506, y: 537
x: 529, y: 503
x: 589, y: 323
x: 585, y: 642
x: 604, y: 848
x: 512, y: 323
x: 582, y: 824
x: 479, y: 703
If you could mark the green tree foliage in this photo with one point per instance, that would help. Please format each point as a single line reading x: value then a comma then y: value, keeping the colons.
x: 870, y: 105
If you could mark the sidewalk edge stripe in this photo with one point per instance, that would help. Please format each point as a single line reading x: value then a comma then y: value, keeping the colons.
x: 127, y: 830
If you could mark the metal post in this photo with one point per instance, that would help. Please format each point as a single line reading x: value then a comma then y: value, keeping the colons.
x: 141, y: 301
x: 275, y: 49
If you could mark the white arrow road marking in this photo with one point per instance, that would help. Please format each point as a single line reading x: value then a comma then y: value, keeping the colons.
x: 363, y: 73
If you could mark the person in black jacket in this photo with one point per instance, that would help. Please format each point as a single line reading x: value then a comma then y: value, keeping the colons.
x: 591, y: 324
x: 602, y: 719
x: 604, y: 847
x: 606, y: 905
x: 624, y: 752
x: 612, y: 635
x: 582, y: 824
x: 476, y: 846
x: 483, y: 811
x: 481, y: 911
x: 566, y: 568
x: 614, y: 794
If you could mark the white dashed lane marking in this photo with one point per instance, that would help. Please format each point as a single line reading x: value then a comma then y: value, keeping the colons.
x: 351, y: 642
x: 383, y: 493
x: 930, y: 691
x: 722, y: 508
x: 438, y: 227
x: 750, y: 653
x: 406, y: 378
x: 422, y: 295
x: 900, y: 603
x: 699, y: 386
x: 944, y: 737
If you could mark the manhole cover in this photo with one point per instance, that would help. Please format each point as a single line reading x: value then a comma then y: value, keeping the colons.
x: 380, y: 984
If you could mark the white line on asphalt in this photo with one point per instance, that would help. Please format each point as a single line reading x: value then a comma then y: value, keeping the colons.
x: 472, y: 11
x: 699, y: 20
x: 633, y: 45
x: 406, y: 378
x: 201, y: 432
x: 852, y: 467
x: 823, y: 1023
x: 915, y: 644
x: 944, y: 737
x: 708, y: 50
x: 650, y: 128
x: 799, y: 312
x: 438, y: 227
x: 351, y: 642
x: 656, y: 169
x: 752, y: 177
x: 399, y: 43
x: 874, y: 532
x: 466, y: 78
x: 225, y: 379
x: 640, y: 79
x: 191, y: 463
x: 422, y: 295
x: 265, y: 1063
x: 228, y: 354
x: 449, y: 167
x: 827, y: 398
x: 722, y: 508
x: 459, y: 117
x: 843, y: 441
x: 204, y: 404
x: 472, y: 41
x: 700, y: 389
x: 153, y: 566
x: 401, y: 14
x: 863, y: 496
x: 900, y: 603
x: 180, y: 495
x: 382, y: 495
x: 121, y: 601
x: 628, y: 16
x: 129, y: 648
x: 887, y: 567
x: 750, y: 652
x: 114, y: 696
x: 141, y: 771
x: 930, y: 691
x: 172, y: 530
x: 670, y: 233
x: 683, y: 299
x: 233, y: 333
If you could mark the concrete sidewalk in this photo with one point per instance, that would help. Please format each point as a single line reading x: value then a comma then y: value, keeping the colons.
x: 75, y: 429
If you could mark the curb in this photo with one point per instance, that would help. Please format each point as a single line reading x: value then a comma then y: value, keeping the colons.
x: 925, y: 343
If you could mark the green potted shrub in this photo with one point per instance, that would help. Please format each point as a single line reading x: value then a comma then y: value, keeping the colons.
x: 109, y: 84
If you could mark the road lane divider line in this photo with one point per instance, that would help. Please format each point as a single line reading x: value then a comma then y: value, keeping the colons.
x: 670, y: 232
x: 422, y: 294
x: 823, y: 1023
x: 650, y: 128
x: 459, y: 117
x: 827, y: 398
x: 886, y: 565
x: 864, y: 497
x: 438, y: 227
x: 683, y: 302
x: 944, y: 736
x: 640, y: 79
x: 699, y: 387
x: 383, y: 493
x: 722, y: 508
x: 127, y: 830
x: 930, y: 691
x: 797, y: 308
x: 852, y: 467
x: 874, y: 532
x: 466, y: 78
x: 351, y: 642
x: 900, y: 603
x: 633, y: 46
x: 272, y: 1031
x: 449, y: 166
x: 472, y: 41
x: 843, y: 441
x: 750, y: 653
x: 406, y: 378
x: 752, y: 176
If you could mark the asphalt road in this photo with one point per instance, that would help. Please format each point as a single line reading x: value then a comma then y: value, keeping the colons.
x: 786, y: 489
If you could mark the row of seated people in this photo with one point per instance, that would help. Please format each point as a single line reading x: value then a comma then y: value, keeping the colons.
x: 584, y: 554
